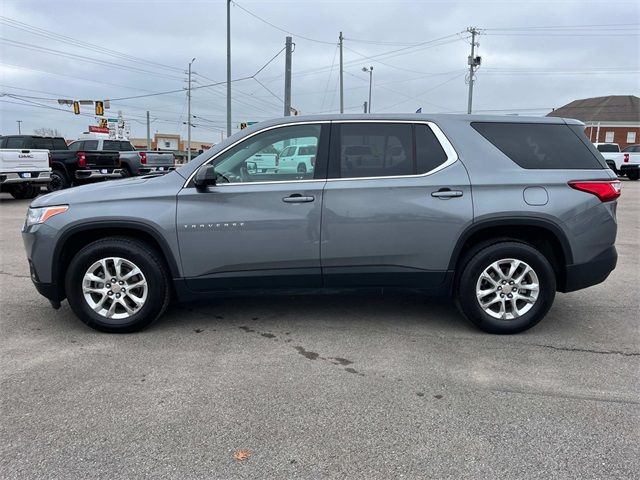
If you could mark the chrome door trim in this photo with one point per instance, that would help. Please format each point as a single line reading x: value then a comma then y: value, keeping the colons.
x: 452, y: 155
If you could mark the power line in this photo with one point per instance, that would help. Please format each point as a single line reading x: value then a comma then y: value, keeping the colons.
x: 81, y: 44
x: 280, y: 28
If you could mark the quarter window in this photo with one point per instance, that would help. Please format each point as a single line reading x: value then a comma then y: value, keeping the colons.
x: 429, y: 152
x: 376, y: 150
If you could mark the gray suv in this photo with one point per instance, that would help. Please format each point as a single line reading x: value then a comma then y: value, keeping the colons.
x: 497, y: 212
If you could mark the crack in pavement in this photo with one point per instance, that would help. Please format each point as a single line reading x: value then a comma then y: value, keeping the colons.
x: 586, y: 350
x: 14, y: 275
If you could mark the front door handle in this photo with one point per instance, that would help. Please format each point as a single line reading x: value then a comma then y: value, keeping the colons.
x: 446, y: 193
x: 298, y: 198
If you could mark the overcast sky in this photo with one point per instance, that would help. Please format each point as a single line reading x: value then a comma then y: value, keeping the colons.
x: 418, y: 50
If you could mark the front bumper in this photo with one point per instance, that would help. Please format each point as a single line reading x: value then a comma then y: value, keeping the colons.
x: 98, y: 173
x: 583, y: 275
x: 12, y: 178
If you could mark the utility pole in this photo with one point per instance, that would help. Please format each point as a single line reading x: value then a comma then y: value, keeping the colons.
x: 341, y: 79
x: 365, y: 106
x: 148, y: 132
x: 189, y: 114
x: 287, y: 78
x: 19, y: 124
x: 474, y: 63
x: 228, y: 68
x: 370, y: 70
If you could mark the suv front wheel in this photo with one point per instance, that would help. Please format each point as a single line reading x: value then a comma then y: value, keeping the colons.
x: 117, y: 285
x: 507, y: 287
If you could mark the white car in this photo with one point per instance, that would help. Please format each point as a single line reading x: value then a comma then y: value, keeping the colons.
x: 297, y: 159
x: 22, y: 171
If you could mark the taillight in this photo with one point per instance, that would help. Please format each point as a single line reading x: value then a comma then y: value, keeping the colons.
x: 143, y: 158
x: 82, y: 159
x: 50, y: 159
x: 626, y: 158
x: 605, y: 190
x: 313, y: 161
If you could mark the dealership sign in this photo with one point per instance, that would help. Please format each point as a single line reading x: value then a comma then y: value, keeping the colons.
x: 94, y: 129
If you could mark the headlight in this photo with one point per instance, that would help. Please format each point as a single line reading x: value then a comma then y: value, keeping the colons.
x: 36, y: 216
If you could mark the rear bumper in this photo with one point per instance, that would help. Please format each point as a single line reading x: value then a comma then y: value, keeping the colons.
x: 629, y: 168
x: 98, y: 173
x: 159, y: 169
x: 18, y: 177
x: 583, y: 275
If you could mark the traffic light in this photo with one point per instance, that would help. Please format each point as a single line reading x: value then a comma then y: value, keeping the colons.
x: 243, y: 125
x: 76, y: 108
x: 99, y: 108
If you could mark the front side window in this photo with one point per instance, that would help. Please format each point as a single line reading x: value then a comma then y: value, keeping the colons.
x: 375, y: 150
x: 270, y: 156
x: 111, y: 145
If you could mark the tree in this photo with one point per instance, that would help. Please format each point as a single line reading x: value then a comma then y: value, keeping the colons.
x: 47, y: 132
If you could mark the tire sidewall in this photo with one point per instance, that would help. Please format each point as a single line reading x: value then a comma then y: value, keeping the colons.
x: 156, y: 283
x: 62, y: 181
x: 478, y: 263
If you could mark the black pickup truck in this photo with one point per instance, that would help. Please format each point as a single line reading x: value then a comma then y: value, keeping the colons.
x: 70, y: 167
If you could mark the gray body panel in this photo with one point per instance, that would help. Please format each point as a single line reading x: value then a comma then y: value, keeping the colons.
x: 245, y: 235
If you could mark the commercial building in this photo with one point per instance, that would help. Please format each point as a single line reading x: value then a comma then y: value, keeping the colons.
x: 611, y: 119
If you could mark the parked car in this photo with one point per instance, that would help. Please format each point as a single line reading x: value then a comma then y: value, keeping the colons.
x: 297, y: 159
x: 626, y: 163
x: 496, y: 212
x: 133, y: 162
x: 71, y: 167
x: 22, y: 170
x: 631, y: 149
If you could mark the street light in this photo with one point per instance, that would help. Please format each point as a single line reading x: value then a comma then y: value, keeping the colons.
x: 370, y: 70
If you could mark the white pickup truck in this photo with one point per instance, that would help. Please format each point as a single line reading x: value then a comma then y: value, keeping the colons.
x: 23, y: 171
x: 625, y: 163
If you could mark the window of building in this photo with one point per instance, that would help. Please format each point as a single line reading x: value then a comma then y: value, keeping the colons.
x: 167, y: 144
x: 608, y: 137
x: 631, y: 137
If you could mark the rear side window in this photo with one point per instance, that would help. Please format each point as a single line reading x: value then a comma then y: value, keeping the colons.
x: 75, y: 146
x: 46, y: 143
x: 14, y: 142
x: 375, y: 150
x: 539, y: 145
x: 429, y: 152
x: 111, y: 145
x: 126, y: 147
x: 310, y: 150
x: 608, y: 148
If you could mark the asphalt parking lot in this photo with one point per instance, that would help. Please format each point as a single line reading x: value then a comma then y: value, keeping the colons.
x: 341, y: 386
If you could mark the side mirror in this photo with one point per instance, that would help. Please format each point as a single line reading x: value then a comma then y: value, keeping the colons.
x: 252, y: 167
x: 205, y: 177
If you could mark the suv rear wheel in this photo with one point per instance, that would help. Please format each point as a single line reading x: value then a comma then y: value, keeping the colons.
x: 507, y: 287
x: 117, y: 285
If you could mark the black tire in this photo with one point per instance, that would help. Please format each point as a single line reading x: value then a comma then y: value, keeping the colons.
x: 302, y: 168
x: 633, y: 174
x: 145, y: 258
x: 59, y: 181
x: 481, y: 258
x: 22, y: 192
x: 126, y: 173
x: 612, y: 166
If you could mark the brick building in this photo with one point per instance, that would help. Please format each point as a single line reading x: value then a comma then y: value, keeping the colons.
x: 612, y: 119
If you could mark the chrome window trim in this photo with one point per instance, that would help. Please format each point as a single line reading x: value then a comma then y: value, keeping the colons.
x: 450, y: 152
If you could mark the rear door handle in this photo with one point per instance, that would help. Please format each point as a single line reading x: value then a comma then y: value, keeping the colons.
x: 446, y: 193
x: 298, y: 198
